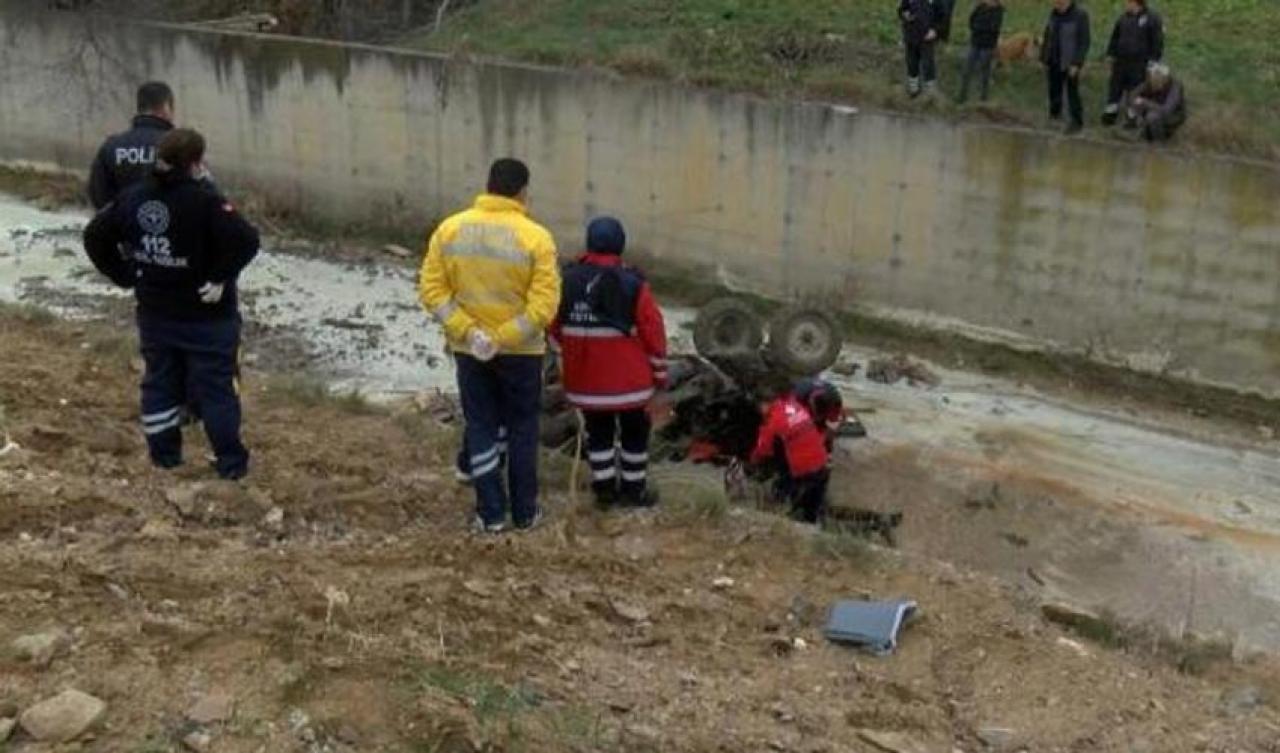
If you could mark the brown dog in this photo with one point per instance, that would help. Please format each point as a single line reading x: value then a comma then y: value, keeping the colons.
x: 1022, y: 46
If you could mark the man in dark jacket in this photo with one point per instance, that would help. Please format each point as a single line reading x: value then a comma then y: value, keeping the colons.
x: 984, y: 34
x: 1065, y: 49
x: 1136, y: 41
x: 920, y: 19
x: 1159, y: 106
x: 613, y: 351
x: 126, y: 158
x: 180, y: 247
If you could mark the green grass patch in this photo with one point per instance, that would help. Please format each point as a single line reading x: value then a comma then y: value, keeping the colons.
x: 489, y: 699
x: 850, y: 50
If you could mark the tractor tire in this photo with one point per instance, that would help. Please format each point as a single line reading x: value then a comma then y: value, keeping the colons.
x: 727, y: 327
x: 804, y: 341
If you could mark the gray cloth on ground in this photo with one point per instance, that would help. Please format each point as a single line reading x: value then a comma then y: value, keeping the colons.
x: 873, y: 625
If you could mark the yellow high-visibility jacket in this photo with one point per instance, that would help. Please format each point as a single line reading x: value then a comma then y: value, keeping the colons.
x: 492, y: 267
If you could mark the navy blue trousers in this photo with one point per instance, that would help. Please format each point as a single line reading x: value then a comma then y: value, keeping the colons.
x: 192, y: 362
x: 505, y: 392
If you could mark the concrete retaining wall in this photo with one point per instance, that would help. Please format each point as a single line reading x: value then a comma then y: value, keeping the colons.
x: 1160, y: 260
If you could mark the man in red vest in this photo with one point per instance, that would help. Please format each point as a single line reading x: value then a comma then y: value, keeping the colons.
x: 613, y: 348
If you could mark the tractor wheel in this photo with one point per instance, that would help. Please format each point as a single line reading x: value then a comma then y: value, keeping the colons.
x: 804, y: 341
x: 727, y: 327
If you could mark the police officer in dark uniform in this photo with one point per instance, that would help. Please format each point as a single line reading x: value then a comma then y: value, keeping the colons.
x: 1136, y: 41
x: 180, y: 246
x: 126, y: 158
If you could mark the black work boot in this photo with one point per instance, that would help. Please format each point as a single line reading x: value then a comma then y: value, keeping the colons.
x: 642, y: 497
x: 606, y: 495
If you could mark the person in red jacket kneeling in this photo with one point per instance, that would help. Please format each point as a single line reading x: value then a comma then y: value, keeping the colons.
x: 795, y: 435
x: 613, y: 351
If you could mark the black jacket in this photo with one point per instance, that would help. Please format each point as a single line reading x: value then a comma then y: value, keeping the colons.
x: 125, y: 159
x: 984, y: 26
x: 1066, y: 38
x: 1137, y: 37
x: 918, y: 18
x: 166, y: 238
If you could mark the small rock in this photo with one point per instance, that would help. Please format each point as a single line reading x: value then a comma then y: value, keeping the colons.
x: 198, y: 741
x: 6, y: 729
x: 890, y: 742
x: 157, y: 529
x: 542, y: 621
x: 164, y: 626
x: 645, y: 734
x: 397, y: 251
x: 1074, y: 617
x: 996, y: 738
x: 782, y: 715
x: 633, y: 613
x: 1267, y: 432
x: 478, y: 588
x: 211, y: 708
x: 1074, y: 646
x: 185, y: 499
x: 274, y: 520
x: 42, y: 648
x: 621, y: 707
x: 688, y: 679
x: 723, y: 583
x: 64, y: 717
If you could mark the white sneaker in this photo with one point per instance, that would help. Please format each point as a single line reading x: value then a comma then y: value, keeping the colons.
x: 489, y: 529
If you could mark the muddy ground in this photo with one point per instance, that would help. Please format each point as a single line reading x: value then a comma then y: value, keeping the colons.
x: 365, y: 618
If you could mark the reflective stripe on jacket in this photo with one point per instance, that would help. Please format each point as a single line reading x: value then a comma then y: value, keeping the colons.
x: 612, y: 339
x: 492, y: 267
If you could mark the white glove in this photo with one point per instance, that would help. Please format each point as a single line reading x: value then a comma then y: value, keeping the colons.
x: 211, y: 292
x: 483, y: 348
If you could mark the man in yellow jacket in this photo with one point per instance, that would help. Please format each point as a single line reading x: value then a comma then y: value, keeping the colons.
x: 490, y: 277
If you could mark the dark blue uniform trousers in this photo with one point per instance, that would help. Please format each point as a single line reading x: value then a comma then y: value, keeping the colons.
x: 505, y: 392
x: 192, y: 362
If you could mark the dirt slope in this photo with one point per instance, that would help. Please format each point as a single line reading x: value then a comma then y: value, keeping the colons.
x: 367, y: 620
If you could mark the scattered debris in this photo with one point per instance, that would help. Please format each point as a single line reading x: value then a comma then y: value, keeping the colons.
x: 846, y: 368
x: 895, y: 369
x: 397, y: 251
x: 723, y: 583
x: 64, y: 717
x: 873, y: 625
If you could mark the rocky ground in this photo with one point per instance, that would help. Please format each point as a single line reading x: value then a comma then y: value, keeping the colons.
x: 335, y: 602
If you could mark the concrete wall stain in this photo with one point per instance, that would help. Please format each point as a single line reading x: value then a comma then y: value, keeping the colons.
x: 1132, y: 254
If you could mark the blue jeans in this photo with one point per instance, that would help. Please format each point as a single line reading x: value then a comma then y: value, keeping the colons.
x: 192, y: 362
x: 505, y: 392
